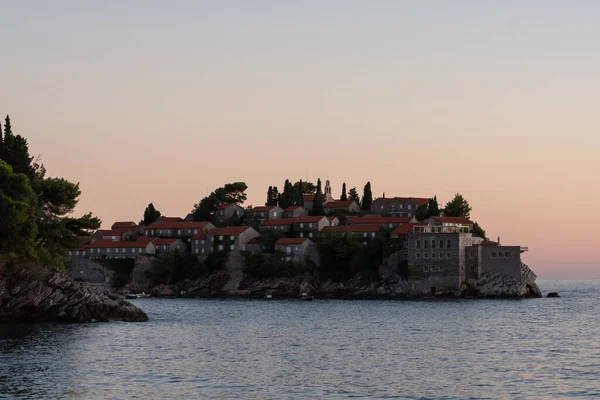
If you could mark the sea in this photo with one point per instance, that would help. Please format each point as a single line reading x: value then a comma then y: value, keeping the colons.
x: 547, y: 348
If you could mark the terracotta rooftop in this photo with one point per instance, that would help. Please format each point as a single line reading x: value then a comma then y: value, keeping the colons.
x: 253, y: 241
x: 124, y: 225
x: 177, y: 225
x: 263, y: 208
x: 229, y: 230
x: 353, y: 228
x: 405, y: 229
x: 111, y: 232
x: 315, y: 218
x: 106, y: 243
x: 200, y: 236
x: 284, y: 241
x: 416, y: 200
x: 169, y: 219
x: 278, y: 221
x: 308, y: 197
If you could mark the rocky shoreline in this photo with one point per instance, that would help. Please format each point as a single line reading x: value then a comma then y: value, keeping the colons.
x: 234, y: 283
x: 53, y: 296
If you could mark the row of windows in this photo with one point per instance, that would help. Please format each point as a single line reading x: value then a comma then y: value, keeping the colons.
x: 500, y: 254
x: 310, y: 225
x: 434, y: 256
x: 168, y: 231
x: 434, y: 243
x: 408, y: 206
x: 309, y: 234
x: 109, y: 250
x: 433, y: 268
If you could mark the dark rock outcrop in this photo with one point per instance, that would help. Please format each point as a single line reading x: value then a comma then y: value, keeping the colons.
x: 494, y: 285
x: 56, y: 297
x: 553, y: 294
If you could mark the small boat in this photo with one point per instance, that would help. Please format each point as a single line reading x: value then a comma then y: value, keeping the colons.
x: 268, y: 296
x: 306, y: 297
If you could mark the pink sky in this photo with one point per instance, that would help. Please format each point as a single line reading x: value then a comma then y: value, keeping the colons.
x: 146, y: 104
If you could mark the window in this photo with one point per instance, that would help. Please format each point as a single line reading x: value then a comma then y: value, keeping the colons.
x: 405, y: 244
x: 382, y: 207
x: 133, y: 250
x: 231, y: 237
x: 418, y: 244
x: 426, y: 255
x: 195, y: 231
x: 494, y: 254
x: 471, y: 255
x: 288, y: 250
x: 212, y: 238
x: 197, y: 251
x: 500, y: 254
x: 220, y: 247
x: 232, y: 247
x: 274, y: 213
x: 418, y: 255
x: 310, y: 234
x: 448, y: 256
x: 202, y: 251
x: 301, y: 234
x: 220, y: 237
x: 301, y: 225
x: 448, y: 244
x: 77, y: 253
x: 433, y: 244
x: 310, y: 225
x: 70, y: 253
x: 506, y: 254
x: 441, y: 256
x: 202, y: 242
x: 425, y: 268
x: 409, y: 207
x: 425, y: 244
x: 179, y: 231
x: 433, y: 255
x: 364, y: 234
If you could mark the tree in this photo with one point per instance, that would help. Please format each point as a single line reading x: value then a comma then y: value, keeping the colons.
x: 433, y: 209
x: 15, y: 151
x: 457, y: 207
x: 421, y: 212
x: 1, y: 137
x: 231, y: 193
x: 151, y: 215
x: 204, y: 210
x: 367, y: 197
x: 318, y: 201
x: 272, y: 196
x: 344, y: 196
x: 478, y: 231
x: 299, y: 193
x: 287, y: 196
x: 353, y: 195
x: 18, y: 228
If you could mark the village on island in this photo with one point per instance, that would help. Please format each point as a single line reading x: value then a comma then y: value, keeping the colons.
x: 433, y: 252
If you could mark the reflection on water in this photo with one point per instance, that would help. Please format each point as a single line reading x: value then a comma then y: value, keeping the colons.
x: 226, y: 349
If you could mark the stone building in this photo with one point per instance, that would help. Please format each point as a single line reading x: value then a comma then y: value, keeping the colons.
x: 295, y: 249
x: 228, y: 212
x: 231, y: 238
x: 295, y: 211
x: 105, y: 248
x: 169, y: 244
x: 178, y: 229
x: 348, y: 206
x: 309, y: 226
x: 397, y: 206
x: 266, y: 212
x: 200, y: 245
x: 280, y: 225
x: 363, y: 231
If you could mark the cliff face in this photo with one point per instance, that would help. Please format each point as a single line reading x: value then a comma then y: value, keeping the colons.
x: 232, y: 282
x: 56, y: 297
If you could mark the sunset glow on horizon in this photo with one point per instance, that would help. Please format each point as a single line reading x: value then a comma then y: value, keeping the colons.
x: 150, y: 102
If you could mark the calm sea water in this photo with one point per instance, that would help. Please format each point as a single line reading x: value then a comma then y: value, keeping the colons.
x: 326, y: 349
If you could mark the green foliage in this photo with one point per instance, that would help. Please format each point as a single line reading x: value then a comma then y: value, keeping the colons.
x: 272, y: 266
x: 231, y: 193
x: 267, y: 239
x: 205, y: 209
x: 457, y: 207
x: 18, y: 228
x: 478, y: 231
x: 26, y: 191
x: 305, y: 188
x: 318, y: 201
x: 367, y: 197
x: 353, y: 195
x: 344, y: 196
x: 287, y: 196
x: 272, y: 196
x: 345, y: 256
x: 122, y: 267
x: 421, y: 212
x: 433, y: 209
x: 172, y: 266
x: 151, y: 215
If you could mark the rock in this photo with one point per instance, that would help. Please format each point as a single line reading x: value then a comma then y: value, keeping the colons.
x: 493, y: 285
x: 553, y: 294
x: 56, y: 297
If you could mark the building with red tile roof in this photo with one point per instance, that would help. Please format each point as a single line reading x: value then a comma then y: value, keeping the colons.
x: 341, y: 205
x: 179, y: 229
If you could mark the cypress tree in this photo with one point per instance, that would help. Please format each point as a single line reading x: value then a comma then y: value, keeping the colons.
x: 367, y: 197
x: 344, y: 196
x: 0, y: 137
x: 269, y: 196
x: 433, y: 209
x: 318, y: 201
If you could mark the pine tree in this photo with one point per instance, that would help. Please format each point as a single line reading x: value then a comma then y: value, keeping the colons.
x: 367, y: 197
x: 433, y: 209
x: 353, y: 195
x: 7, y: 127
x: 318, y: 201
x: 151, y: 215
x: 287, y: 196
x: 344, y: 196
x: 457, y: 207
x: 269, y: 201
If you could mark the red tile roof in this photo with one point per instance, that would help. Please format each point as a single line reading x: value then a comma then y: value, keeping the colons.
x: 416, y: 200
x: 278, y: 221
x: 331, y: 218
x: 379, y: 220
x: 353, y: 228
x: 453, y: 220
x: 166, y: 242
x: 420, y: 200
x: 111, y: 232
x: 308, y: 197
x: 200, y: 236
x: 284, y: 241
x: 338, y: 204
x: 309, y: 219
x: 105, y: 243
x: 229, y: 230
x: 263, y: 208
x: 177, y: 225
x: 124, y: 225
x: 169, y: 219
x: 253, y: 241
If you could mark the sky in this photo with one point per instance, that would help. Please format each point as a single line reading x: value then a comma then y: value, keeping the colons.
x: 154, y: 101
